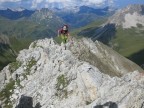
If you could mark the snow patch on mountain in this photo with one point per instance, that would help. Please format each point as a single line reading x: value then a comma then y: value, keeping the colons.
x: 19, y: 9
x: 131, y: 20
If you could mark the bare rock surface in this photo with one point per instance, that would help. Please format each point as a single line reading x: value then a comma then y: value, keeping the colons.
x: 48, y: 76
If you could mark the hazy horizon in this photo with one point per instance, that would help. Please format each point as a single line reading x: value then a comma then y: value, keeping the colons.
x: 38, y: 4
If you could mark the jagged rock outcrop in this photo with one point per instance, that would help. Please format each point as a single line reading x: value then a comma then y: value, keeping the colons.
x: 51, y: 77
x: 128, y: 17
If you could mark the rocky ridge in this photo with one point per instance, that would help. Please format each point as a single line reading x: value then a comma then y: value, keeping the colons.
x: 58, y: 78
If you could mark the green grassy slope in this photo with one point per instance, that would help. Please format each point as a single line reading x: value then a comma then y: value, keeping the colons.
x: 20, y: 33
x: 6, y: 55
x: 9, y: 53
x: 19, y: 44
x: 24, y: 29
x: 129, y: 43
x: 92, y: 26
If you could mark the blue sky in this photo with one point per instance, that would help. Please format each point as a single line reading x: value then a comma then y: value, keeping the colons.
x: 32, y: 4
x: 123, y: 3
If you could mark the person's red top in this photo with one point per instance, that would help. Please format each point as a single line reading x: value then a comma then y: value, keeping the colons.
x: 61, y: 31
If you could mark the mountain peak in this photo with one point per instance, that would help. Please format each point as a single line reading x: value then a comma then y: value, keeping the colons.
x: 129, y: 16
x: 20, y: 9
x: 54, y: 77
x: 134, y: 8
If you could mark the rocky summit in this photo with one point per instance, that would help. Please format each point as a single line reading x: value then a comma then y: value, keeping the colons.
x: 85, y: 75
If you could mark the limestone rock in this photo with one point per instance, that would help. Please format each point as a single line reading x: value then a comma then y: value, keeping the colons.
x: 51, y: 77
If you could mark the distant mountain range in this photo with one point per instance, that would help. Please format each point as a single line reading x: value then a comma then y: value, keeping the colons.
x: 16, y: 14
x: 75, y: 16
x: 22, y: 26
x: 87, y: 74
x: 123, y: 32
x: 53, y: 19
x: 81, y: 16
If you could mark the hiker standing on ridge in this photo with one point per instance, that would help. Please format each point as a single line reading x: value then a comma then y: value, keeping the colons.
x: 64, y: 34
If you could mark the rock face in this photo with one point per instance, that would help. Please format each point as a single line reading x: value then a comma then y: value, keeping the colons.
x: 129, y: 17
x: 47, y: 76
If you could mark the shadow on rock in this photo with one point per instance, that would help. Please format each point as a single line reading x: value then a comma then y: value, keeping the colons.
x: 38, y: 105
x: 27, y: 102
x: 107, y: 105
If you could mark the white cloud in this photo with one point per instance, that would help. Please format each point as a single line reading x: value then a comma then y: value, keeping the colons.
x: 36, y: 2
x: 95, y: 2
x: 60, y: 3
x: 77, y: 1
x: 111, y: 2
x: 9, y: 1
